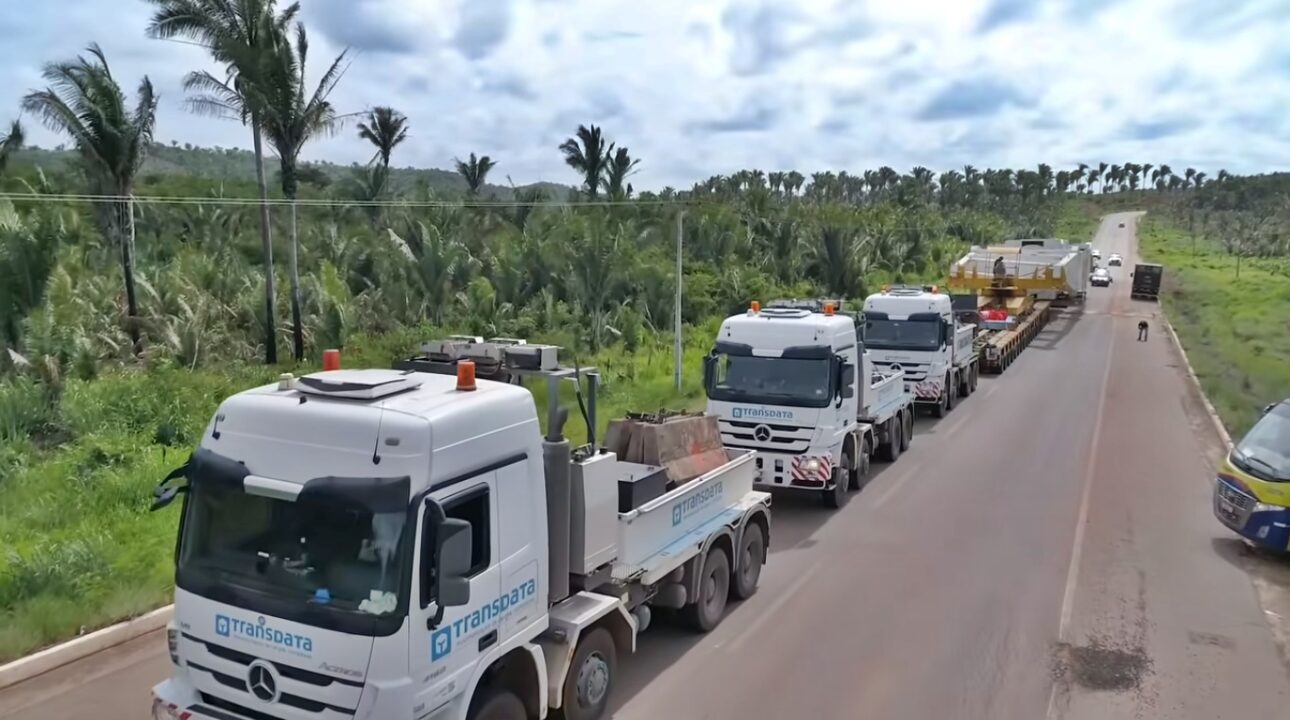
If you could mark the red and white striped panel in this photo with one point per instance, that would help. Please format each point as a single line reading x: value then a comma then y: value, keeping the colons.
x: 820, y: 475
x: 928, y: 390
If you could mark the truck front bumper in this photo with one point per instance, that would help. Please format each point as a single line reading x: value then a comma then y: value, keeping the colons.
x: 174, y: 699
x: 781, y: 471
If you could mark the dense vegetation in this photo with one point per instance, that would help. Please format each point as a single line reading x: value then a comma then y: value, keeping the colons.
x: 124, y: 319
x: 1226, y: 248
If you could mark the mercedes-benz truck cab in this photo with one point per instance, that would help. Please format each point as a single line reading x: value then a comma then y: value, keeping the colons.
x: 791, y: 381
x: 916, y: 330
x: 403, y: 544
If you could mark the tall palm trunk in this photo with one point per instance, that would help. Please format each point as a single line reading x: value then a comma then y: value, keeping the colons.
x: 125, y: 225
x: 266, y: 246
x: 290, y: 185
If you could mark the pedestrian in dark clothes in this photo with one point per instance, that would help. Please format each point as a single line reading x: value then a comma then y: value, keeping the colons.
x: 1142, y: 331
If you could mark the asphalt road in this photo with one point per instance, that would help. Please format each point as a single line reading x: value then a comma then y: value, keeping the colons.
x: 1046, y: 550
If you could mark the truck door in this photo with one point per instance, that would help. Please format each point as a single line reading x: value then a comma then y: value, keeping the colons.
x: 444, y: 657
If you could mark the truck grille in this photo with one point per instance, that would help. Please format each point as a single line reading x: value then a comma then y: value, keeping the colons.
x: 228, y: 669
x: 773, y: 438
x: 913, y: 373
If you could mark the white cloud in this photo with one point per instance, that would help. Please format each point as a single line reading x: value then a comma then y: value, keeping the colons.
x: 712, y: 87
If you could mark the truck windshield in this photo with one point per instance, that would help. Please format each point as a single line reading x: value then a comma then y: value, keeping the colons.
x: 902, y: 334
x: 313, y: 559
x: 797, y: 382
x: 1264, y: 452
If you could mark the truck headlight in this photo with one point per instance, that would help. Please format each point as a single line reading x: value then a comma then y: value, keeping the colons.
x: 172, y: 642
x: 162, y: 710
x: 1265, y: 507
x: 811, y: 466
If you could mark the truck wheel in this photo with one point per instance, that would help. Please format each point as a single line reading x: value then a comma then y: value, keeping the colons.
x: 895, y: 439
x: 591, y: 677
x: 838, y: 495
x: 860, y: 477
x: 976, y: 375
x: 500, y: 705
x: 942, y: 405
x: 907, y: 436
x: 752, y: 554
x: 951, y: 392
x: 714, y: 587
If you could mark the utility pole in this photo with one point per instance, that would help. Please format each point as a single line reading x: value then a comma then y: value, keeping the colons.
x: 676, y: 318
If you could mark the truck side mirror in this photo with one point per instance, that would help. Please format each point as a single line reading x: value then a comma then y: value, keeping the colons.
x: 1268, y: 409
x: 453, y: 561
x: 709, y: 365
x: 847, y: 379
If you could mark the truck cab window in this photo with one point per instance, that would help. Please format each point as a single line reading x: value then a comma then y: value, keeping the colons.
x: 473, y: 508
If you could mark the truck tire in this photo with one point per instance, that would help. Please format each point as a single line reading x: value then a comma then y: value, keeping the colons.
x: 907, y: 436
x: 500, y: 704
x: 895, y: 438
x: 837, y: 496
x: 976, y: 375
x: 709, y: 607
x: 590, y: 681
x: 942, y: 405
x: 951, y: 391
x: 860, y: 477
x: 752, y: 555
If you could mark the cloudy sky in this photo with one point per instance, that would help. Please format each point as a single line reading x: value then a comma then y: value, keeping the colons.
x: 697, y: 87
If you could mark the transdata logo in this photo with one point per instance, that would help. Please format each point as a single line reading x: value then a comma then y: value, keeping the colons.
x: 260, y: 632
x: 442, y: 641
x: 690, y: 505
x: 761, y: 413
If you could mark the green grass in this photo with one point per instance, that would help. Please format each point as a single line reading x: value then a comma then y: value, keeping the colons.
x: 1236, y: 331
x: 79, y: 549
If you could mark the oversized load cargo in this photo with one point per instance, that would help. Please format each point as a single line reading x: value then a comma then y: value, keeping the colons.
x: 1047, y: 269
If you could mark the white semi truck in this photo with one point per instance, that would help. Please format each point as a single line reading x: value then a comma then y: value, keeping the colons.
x: 794, y: 383
x: 915, y: 330
x: 406, y: 544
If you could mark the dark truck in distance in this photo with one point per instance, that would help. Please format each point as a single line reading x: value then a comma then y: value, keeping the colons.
x: 1146, y: 281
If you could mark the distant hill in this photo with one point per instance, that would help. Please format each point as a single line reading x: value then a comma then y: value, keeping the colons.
x: 236, y: 164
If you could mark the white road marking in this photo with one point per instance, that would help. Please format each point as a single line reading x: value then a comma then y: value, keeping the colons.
x: 771, y: 611
x: 1077, y: 549
x: 894, y: 486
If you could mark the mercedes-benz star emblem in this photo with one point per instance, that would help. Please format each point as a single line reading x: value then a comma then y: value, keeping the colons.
x: 761, y: 433
x: 262, y: 680
x: 895, y: 367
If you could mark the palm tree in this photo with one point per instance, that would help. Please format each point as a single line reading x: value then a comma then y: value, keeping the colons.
x: 794, y: 181
x: 239, y: 35
x: 475, y: 172
x: 293, y: 117
x: 11, y: 143
x: 385, y: 128
x: 1102, y: 177
x: 1146, y: 169
x: 85, y: 102
x: 1199, y: 179
x: 1189, y: 175
x: 588, y: 153
x: 615, y: 182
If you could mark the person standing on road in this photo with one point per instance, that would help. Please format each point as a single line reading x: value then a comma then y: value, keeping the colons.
x: 1142, y: 331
